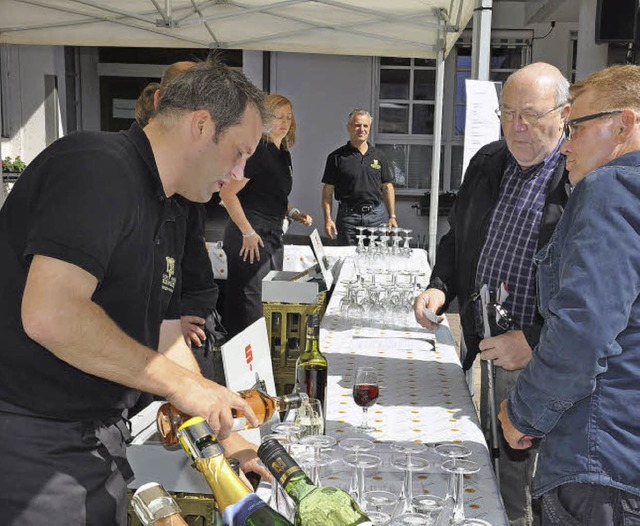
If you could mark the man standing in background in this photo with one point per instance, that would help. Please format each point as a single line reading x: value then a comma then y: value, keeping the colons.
x: 359, y: 175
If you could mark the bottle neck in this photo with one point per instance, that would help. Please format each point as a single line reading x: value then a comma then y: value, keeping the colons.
x: 290, y: 401
x: 312, y: 344
x: 298, y: 485
x: 227, y: 487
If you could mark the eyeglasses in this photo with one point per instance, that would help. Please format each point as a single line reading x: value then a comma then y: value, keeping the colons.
x: 530, y: 118
x: 569, y: 127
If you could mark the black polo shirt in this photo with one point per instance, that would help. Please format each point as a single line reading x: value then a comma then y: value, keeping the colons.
x: 271, y: 179
x: 94, y: 200
x: 357, y: 178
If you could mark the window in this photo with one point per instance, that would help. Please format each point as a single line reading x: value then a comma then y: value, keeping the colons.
x: 406, y: 104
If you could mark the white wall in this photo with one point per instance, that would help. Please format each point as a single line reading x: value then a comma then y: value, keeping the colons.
x: 24, y: 102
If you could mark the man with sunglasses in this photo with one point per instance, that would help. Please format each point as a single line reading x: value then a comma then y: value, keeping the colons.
x: 580, y: 390
x: 510, y: 201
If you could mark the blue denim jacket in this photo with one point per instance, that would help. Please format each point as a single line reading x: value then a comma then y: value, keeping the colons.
x: 581, y: 389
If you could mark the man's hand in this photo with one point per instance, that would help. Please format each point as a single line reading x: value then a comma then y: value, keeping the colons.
x: 393, y: 222
x: 251, y: 247
x: 432, y: 299
x: 238, y: 447
x: 192, y: 330
x: 510, y: 350
x: 330, y: 228
x: 515, y: 438
x: 305, y: 219
x: 212, y: 402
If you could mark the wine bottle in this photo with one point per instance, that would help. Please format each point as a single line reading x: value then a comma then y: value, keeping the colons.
x: 154, y: 506
x: 237, y: 504
x: 311, y: 366
x: 169, y: 419
x: 320, y: 506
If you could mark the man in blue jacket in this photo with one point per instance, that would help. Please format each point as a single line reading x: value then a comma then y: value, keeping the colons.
x: 580, y: 390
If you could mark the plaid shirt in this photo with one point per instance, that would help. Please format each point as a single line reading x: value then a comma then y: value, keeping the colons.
x: 510, y: 244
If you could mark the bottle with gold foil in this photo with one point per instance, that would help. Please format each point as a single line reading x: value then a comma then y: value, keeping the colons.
x: 169, y: 419
x: 316, y: 506
x: 237, y: 504
x: 154, y: 506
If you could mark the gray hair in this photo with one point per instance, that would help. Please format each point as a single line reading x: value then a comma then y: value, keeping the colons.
x: 212, y: 86
x: 355, y: 113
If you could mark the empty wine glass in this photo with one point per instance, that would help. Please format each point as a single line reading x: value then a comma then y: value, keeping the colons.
x: 460, y: 467
x: 411, y: 519
x: 361, y: 462
x: 379, y: 505
x: 317, y: 459
x: 355, y: 446
x: 365, y: 394
x: 451, y: 450
x: 290, y: 430
x: 409, y: 463
x: 429, y: 505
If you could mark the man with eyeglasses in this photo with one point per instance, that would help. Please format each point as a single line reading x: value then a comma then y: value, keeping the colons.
x: 510, y: 201
x: 580, y: 390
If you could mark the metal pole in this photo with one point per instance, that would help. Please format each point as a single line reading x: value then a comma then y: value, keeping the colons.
x: 435, y: 163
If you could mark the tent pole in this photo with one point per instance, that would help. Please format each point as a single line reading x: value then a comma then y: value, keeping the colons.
x: 435, y: 162
x: 481, y: 40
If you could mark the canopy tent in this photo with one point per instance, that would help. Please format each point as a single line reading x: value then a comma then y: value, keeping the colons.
x: 393, y: 28
x: 406, y: 28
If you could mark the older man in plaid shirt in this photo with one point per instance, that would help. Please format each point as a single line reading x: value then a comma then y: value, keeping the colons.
x: 507, y: 208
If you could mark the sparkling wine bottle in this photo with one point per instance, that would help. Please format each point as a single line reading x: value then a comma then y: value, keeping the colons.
x: 237, y: 504
x: 325, y: 506
x: 169, y: 419
x: 311, y: 366
x: 155, y: 507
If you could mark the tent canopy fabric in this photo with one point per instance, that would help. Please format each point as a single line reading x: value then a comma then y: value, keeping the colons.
x: 398, y: 28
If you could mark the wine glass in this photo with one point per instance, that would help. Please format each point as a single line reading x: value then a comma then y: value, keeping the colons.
x: 379, y: 505
x: 409, y: 463
x: 356, y: 446
x: 365, y: 394
x: 317, y: 459
x: 411, y: 519
x: 429, y: 505
x: 451, y: 450
x: 310, y: 418
x: 290, y: 430
x: 460, y: 467
x: 361, y: 462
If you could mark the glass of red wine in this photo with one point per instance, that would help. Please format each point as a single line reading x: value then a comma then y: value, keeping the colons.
x: 365, y: 394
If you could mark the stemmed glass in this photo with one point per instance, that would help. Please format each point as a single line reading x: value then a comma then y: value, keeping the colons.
x: 318, y: 459
x: 365, y: 394
x: 451, y: 450
x: 429, y: 505
x: 288, y: 429
x: 460, y: 467
x: 409, y: 463
x: 374, y: 503
x: 355, y: 446
x: 411, y: 519
x: 310, y: 418
x: 361, y: 462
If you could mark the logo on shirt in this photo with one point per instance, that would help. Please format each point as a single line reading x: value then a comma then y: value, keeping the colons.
x: 168, y: 278
x: 375, y: 164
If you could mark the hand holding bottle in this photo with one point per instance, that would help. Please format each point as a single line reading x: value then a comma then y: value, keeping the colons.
x: 212, y: 402
x: 238, y: 447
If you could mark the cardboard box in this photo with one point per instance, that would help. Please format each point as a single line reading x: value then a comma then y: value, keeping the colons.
x: 276, y: 288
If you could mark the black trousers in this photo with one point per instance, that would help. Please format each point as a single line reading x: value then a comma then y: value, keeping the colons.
x: 58, y: 473
x: 243, y: 295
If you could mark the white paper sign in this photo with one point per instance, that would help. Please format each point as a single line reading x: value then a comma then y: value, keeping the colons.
x: 321, y: 258
x: 482, y: 124
x: 247, y: 358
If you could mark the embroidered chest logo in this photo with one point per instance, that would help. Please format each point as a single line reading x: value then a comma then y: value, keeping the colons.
x: 376, y: 165
x: 168, y: 278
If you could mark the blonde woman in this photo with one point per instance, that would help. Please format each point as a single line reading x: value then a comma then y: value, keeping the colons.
x: 257, y: 207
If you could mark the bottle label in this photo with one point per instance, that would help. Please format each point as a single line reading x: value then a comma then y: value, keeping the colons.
x: 238, y: 513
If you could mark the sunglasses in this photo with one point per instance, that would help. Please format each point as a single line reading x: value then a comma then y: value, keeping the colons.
x: 569, y: 127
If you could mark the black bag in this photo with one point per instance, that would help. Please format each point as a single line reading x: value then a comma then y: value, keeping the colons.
x: 209, y: 355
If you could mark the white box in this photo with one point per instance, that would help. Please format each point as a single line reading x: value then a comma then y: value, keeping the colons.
x: 276, y: 287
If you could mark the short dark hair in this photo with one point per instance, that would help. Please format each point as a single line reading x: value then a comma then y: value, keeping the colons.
x: 212, y: 86
x: 144, y: 105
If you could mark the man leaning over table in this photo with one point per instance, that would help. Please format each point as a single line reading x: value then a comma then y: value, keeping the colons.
x: 510, y: 201
x: 579, y: 392
x: 359, y: 175
x: 91, y: 239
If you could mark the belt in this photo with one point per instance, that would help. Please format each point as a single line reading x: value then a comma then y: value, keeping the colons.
x: 362, y: 209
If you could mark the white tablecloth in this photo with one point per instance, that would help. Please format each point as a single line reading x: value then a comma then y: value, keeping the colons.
x: 424, y: 397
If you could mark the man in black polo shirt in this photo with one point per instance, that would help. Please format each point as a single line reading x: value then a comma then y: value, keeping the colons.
x: 360, y: 176
x: 91, y: 240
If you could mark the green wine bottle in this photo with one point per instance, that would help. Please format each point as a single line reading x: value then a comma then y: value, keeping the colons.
x: 238, y: 505
x: 311, y: 366
x: 325, y: 506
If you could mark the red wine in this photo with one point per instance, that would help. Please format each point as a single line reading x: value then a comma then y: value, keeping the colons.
x: 313, y: 381
x: 365, y: 395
